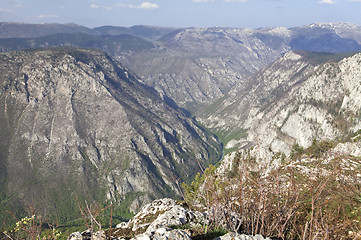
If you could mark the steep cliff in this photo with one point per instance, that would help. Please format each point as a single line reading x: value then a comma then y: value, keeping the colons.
x: 300, y: 97
x: 76, y: 124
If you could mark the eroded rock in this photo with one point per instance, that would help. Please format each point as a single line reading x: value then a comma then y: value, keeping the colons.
x: 156, y: 221
x: 236, y: 236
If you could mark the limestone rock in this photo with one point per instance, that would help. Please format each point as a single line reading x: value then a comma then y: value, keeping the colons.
x: 143, y: 236
x: 299, y: 98
x: 155, y: 220
x: 75, y: 236
x: 177, y: 216
x: 349, y: 148
x: 236, y: 236
x: 99, y: 235
x: 176, y: 234
x: 163, y: 213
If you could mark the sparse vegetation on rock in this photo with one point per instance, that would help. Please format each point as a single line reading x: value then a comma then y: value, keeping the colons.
x: 313, y: 194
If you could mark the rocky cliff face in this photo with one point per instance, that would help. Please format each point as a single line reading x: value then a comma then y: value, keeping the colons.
x: 300, y: 97
x: 75, y: 123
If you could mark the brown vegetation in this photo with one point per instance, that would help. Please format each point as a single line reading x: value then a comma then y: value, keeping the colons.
x: 314, y: 199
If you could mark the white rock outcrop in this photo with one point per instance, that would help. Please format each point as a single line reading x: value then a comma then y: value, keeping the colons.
x: 163, y: 213
x: 155, y: 220
x: 236, y: 236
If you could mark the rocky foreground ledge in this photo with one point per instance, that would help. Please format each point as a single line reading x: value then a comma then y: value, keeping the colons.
x: 160, y: 220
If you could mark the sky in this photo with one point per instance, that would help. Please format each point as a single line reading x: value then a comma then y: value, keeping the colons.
x: 182, y: 13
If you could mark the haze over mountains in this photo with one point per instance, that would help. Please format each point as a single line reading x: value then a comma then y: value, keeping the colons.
x: 24, y: 30
x: 193, y: 66
x: 83, y: 119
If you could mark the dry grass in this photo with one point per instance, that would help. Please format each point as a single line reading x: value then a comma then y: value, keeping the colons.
x: 322, y: 201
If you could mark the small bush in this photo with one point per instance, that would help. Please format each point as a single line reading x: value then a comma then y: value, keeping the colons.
x: 287, y: 203
x: 31, y: 228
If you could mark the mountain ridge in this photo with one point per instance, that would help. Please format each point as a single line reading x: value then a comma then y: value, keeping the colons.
x: 80, y: 125
x: 200, y: 65
x: 28, y: 30
x: 196, y: 66
x: 294, y: 100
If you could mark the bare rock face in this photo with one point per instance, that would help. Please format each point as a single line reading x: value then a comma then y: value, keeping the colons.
x: 77, y: 123
x: 299, y: 98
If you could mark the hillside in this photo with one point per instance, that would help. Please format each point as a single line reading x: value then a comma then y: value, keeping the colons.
x: 75, y: 125
x: 300, y: 97
x: 202, y: 64
x: 312, y: 194
x: 28, y: 30
x: 116, y: 45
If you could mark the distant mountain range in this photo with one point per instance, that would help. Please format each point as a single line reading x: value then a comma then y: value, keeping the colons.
x: 193, y: 66
x: 117, y: 45
x: 25, y: 30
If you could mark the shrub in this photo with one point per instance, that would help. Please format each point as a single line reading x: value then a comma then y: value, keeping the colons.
x: 31, y: 228
x: 321, y: 202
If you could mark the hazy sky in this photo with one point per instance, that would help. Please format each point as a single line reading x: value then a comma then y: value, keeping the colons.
x: 182, y: 13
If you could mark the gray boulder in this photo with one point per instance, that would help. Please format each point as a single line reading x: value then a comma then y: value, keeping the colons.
x: 162, y: 213
x: 236, y: 236
x: 100, y: 235
x: 75, y: 236
x: 166, y: 233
